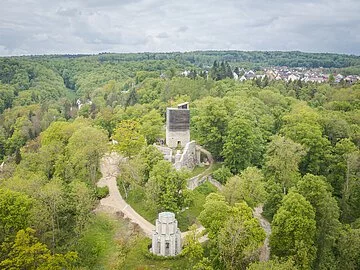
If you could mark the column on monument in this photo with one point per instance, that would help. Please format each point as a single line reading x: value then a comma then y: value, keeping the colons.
x: 157, y: 226
x: 163, y: 228
x: 162, y: 245
x: 155, y: 244
x: 172, y: 245
x: 178, y: 242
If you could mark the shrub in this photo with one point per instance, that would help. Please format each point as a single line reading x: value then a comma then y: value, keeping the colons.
x: 102, y: 192
x: 222, y: 174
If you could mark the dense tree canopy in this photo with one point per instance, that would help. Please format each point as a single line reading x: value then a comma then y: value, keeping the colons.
x: 290, y: 145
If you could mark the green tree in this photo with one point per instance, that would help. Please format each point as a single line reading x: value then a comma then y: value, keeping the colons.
x: 149, y: 157
x: 240, y: 239
x: 273, y: 265
x: 204, y: 264
x: 84, y: 150
x: 222, y: 174
x: 22, y: 131
x: 151, y: 126
x: 209, y: 124
x: 248, y: 187
x: 15, y: 210
x: 345, y: 168
x: 302, y: 126
x: 318, y: 193
x: 82, y: 202
x: 28, y: 253
x: 282, y: 161
x: 349, y: 248
x: 130, y: 140
x: 339, y: 165
x: 192, y: 247
x: 243, y: 145
x: 215, y: 212
x: 51, y: 198
x: 167, y: 187
x: 274, y: 197
x: 293, y: 231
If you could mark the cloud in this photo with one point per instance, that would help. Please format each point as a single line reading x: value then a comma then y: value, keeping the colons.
x: 182, y: 29
x: 92, y: 26
x: 163, y: 35
x: 68, y: 12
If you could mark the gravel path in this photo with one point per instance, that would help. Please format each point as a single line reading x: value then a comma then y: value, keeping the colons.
x: 114, y: 202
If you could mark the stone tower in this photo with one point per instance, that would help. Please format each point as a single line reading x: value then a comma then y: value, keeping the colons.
x: 166, y: 239
x: 178, y: 125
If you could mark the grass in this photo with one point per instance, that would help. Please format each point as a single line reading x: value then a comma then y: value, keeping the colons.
x: 136, y: 258
x: 189, y: 216
x: 215, y: 166
x: 112, y: 243
x: 197, y: 170
x: 98, y: 248
x: 137, y: 199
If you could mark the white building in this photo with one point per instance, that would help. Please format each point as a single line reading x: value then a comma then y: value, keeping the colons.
x: 166, y: 239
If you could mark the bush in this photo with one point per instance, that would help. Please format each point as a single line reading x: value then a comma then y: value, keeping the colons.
x: 102, y: 192
x: 147, y: 254
x: 222, y: 174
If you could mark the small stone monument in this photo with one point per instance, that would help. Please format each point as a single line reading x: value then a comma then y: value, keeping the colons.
x: 166, y: 239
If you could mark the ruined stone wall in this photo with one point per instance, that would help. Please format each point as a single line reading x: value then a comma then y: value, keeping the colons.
x: 189, y: 158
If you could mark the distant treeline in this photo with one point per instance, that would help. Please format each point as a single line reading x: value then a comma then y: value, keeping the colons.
x: 252, y: 59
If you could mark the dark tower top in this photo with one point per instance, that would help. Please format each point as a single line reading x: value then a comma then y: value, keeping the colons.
x: 178, y: 119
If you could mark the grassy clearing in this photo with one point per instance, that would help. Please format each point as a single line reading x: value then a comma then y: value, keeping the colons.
x: 98, y: 248
x: 137, y: 199
x: 189, y: 216
x: 136, y: 258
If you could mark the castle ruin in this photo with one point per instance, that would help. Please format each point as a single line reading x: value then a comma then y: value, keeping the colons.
x: 179, y: 150
x: 178, y: 125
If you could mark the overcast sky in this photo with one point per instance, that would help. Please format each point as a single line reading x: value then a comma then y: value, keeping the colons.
x: 93, y: 26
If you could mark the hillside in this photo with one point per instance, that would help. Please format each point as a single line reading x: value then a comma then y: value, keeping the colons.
x: 289, y: 145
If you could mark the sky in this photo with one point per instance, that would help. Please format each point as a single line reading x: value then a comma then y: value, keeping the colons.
x: 94, y: 26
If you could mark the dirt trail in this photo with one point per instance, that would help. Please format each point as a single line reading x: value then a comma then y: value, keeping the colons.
x: 265, y: 250
x: 114, y: 202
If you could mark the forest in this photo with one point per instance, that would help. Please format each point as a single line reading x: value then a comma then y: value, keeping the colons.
x: 291, y: 147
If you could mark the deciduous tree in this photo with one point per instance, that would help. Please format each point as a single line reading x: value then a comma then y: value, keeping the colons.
x: 167, y: 187
x: 293, y: 231
x: 240, y: 238
x: 130, y: 140
x: 248, y: 187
